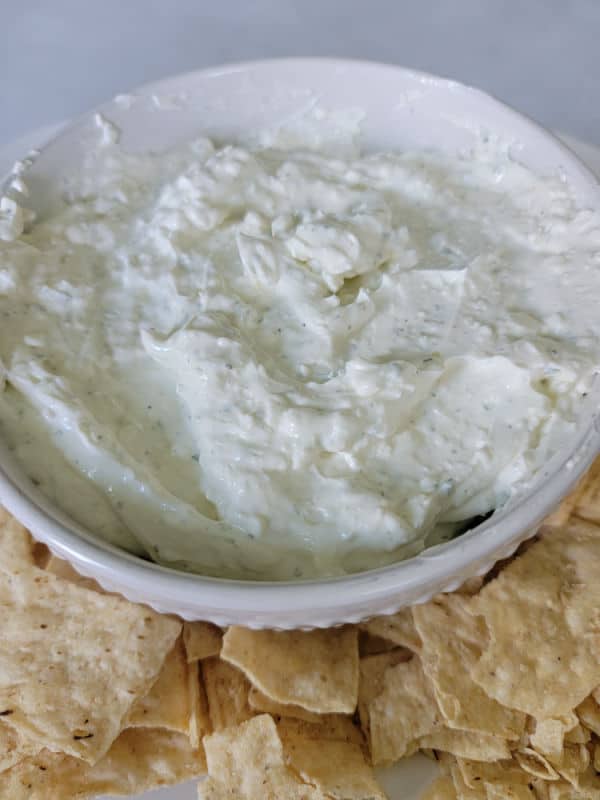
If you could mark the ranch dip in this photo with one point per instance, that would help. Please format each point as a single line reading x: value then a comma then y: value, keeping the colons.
x: 276, y: 362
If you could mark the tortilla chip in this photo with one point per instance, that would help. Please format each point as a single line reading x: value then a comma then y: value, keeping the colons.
x: 397, y: 628
x: 331, y: 727
x: 16, y: 544
x: 587, y: 497
x: 467, y: 744
x: 261, y: 703
x: 246, y: 762
x: 316, y: 669
x: 397, y: 707
x: 471, y: 586
x: 72, y: 661
x: 548, y: 736
x: 202, y: 640
x: 199, y: 724
x: 533, y: 762
x: 562, y: 790
x: 477, y: 773
x: 167, y: 704
x: 227, y: 694
x: 14, y: 747
x: 510, y: 792
x: 62, y: 569
x: 542, y: 616
x: 139, y: 760
x: 578, y: 735
x: 441, y: 789
x: 452, y: 641
x: 370, y: 645
x: 573, y: 763
x: 596, y: 756
x: 338, y: 769
x: 463, y: 790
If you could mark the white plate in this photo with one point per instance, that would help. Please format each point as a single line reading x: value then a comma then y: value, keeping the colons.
x: 407, y: 780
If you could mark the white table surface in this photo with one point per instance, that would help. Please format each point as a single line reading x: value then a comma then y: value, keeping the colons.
x: 61, y: 57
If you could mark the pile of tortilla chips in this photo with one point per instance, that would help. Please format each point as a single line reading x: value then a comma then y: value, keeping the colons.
x: 499, y: 682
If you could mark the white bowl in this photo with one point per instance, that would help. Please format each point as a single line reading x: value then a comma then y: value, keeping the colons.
x: 402, y: 109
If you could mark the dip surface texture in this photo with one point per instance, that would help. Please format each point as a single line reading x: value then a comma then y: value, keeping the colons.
x: 276, y: 363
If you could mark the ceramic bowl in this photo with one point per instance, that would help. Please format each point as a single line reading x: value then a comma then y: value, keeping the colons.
x: 401, y: 109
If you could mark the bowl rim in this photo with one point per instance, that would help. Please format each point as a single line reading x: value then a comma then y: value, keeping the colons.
x: 278, y: 601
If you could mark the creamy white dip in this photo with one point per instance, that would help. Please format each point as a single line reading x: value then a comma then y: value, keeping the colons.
x: 273, y: 363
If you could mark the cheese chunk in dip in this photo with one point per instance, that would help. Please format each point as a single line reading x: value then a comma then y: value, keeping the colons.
x: 273, y: 363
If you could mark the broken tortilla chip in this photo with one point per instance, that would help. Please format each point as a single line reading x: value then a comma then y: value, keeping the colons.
x: 331, y: 727
x: 397, y: 707
x: 139, y: 760
x: 477, y: 773
x: 200, y: 724
x: 542, y: 613
x: 316, y: 669
x: 167, y: 704
x: 589, y: 714
x: 338, y: 769
x: 548, y: 736
x: 72, y: 661
x: 14, y: 747
x: 452, y: 641
x: 227, y: 691
x: 397, y: 628
x: 371, y: 645
x: 466, y: 744
x: 16, y: 545
x: 533, y: 762
x: 62, y: 569
x: 261, y: 703
x: 202, y: 640
x: 247, y: 762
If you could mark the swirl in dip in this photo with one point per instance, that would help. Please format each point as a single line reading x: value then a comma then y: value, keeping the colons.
x: 279, y: 361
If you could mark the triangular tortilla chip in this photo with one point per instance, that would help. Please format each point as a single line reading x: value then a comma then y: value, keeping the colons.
x: 452, y: 641
x: 202, y: 640
x: 317, y: 669
x: 72, y: 661
x: 139, y: 760
x: 542, y: 616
